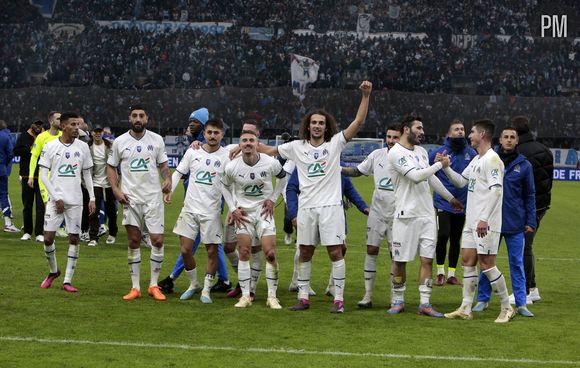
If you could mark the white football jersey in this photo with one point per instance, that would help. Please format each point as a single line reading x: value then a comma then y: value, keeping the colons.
x: 66, y: 163
x: 139, y: 160
x: 411, y: 199
x: 318, y: 170
x: 252, y: 185
x: 376, y: 164
x: 484, y: 172
x: 205, y: 170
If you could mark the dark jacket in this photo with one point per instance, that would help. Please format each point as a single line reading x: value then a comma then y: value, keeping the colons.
x: 542, y: 162
x: 519, y: 205
x: 22, y: 149
x: 459, y: 161
x: 6, y: 154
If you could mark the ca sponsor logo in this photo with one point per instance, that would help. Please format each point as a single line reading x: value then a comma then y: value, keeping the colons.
x: 386, y: 184
x: 139, y: 165
x: 68, y: 170
x: 317, y: 169
x: 254, y: 190
x: 205, y: 177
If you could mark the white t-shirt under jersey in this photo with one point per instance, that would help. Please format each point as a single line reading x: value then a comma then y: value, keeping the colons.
x: 318, y: 170
x: 484, y: 172
x: 139, y: 159
x: 384, y: 194
x: 99, y: 152
x: 411, y: 199
x: 252, y: 185
x: 205, y: 170
x: 66, y: 163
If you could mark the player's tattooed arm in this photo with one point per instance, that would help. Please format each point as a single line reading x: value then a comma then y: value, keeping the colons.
x: 351, y: 171
x: 166, y: 175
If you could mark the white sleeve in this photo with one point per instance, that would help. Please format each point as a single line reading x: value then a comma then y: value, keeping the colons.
x: 419, y: 175
x: 367, y: 166
x: 439, y: 188
x: 47, y: 184
x: 161, y: 152
x: 456, y: 179
x: 286, y: 150
x: 88, y: 178
x: 226, y: 189
x: 175, y: 180
x: 114, y: 157
x: 183, y: 166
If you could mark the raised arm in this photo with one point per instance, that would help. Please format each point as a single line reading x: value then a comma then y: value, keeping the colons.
x: 352, y: 130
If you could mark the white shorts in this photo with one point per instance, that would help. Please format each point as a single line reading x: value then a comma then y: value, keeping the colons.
x: 379, y: 228
x: 412, y: 234
x: 148, y: 216
x: 486, y: 245
x: 231, y: 237
x: 258, y: 226
x: 324, y: 225
x: 208, y: 226
x: 72, y: 217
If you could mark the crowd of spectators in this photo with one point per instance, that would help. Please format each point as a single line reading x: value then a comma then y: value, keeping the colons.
x: 475, y: 16
x: 134, y: 59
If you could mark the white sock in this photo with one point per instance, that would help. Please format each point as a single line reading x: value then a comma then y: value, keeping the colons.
x: 244, y: 276
x: 272, y: 279
x: 425, y: 290
x: 134, y: 256
x: 391, y: 276
x: 295, y: 272
x: 339, y: 278
x: 440, y: 270
x: 7, y: 221
x: 370, y: 273
x: 192, y: 276
x: 450, y: 272
x: 498, y: 285
x: 50, y: 252
x: 234, y: 258
x: 156, y: 261
x: 398, y: 288
x: 330, y: 280
x: 470, y: 281
x: 303, y: 281
x: 208, y: 282
x: 71, y: 264
x: 256, y: 268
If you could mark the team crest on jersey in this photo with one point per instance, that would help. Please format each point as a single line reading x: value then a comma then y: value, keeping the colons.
x: 316, y: 155
x: 207, y: 162
x: 139, y: 165
x: 150, y: 147
x: 138, y: 148
x: 324, y: 152
x: 205, y: 177
x: 263, y: 174
x: 217, y: 163
x: 77, y: 154
x: 67, y: 170
x: 316, y: 169
x: 386, y: 184
x: 252, y: 176
x: 67, y: 155
x: 254, y: 190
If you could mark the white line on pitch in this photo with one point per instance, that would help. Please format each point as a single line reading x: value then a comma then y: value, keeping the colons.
x: 281, y: 351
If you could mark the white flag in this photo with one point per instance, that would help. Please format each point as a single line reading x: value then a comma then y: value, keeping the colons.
x: 364, y: 23
x: 303, y: 70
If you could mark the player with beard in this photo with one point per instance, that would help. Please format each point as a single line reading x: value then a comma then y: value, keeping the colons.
x: 141, y: 155
x: 414, y: 223
x: 68, y: 159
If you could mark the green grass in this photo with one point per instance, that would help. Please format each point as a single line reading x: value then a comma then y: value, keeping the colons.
x: 96, y: 328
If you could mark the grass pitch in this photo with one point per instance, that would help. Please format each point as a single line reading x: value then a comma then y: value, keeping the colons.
x: 96, y: 328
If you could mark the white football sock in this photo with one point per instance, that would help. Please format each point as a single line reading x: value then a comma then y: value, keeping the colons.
x: 303, y: 281
x: 73, y: 256
x: 244, y: 276
x: 498, y: 285
x: 156, y: 261
x: 256, y: 269
x: 425, y: 290
x: 192, y: 276
x: 272, y: 279
x: 339, y: 278
x: 470, y: 281
x: 134, y: 256
x: 50, y: 252
x: 370, y: 273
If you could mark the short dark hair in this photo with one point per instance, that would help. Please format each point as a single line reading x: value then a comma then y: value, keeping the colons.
x: 253, y: 122
x: 393, y: 127
x: 68, y: 115
x: 216, y: 123
x: 509, y: 127
x: 454, y: 122
x: 408, y: 122
x: 51, y: 114
x: 137, y: 106
x: 487, y: 126
x: 331, y: 128
x: 521, y: 123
